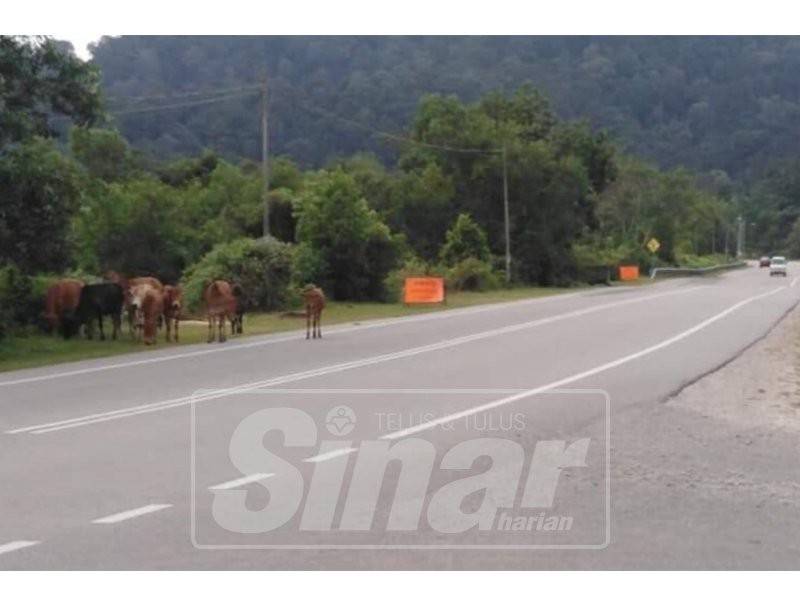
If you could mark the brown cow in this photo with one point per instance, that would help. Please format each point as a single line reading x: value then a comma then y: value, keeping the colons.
x: 151, y: 308
x: 134, y: 303
x: 173, y: 303
x: 134, y: 289
x: 62, y: 297
x: 220, y: 305
x: 314, y: 300
x: 127, y: 285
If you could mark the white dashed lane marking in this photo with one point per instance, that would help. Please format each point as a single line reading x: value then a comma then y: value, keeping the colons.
x: 131, y: 514
x: 229, y: 485
x: 16, y: 545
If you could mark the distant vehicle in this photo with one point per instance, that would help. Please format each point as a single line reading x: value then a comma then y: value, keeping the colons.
x: 777, y: 266
x: 763, y: 261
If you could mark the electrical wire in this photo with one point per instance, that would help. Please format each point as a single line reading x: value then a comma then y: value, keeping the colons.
x: 145, y: 109
x: 175, y: 96
x: 391, y: 136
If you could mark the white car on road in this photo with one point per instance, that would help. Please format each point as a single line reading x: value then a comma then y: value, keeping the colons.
x: 777, y: 266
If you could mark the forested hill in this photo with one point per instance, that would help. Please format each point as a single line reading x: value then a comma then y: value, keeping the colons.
x: 708, y: 103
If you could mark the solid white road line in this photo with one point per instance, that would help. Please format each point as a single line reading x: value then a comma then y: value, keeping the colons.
x: 578, y: 376
x: 17, y: 545
x: 336, y: 330
x: 131, y: 514
x: 336, y: 368
x: 234, y: 483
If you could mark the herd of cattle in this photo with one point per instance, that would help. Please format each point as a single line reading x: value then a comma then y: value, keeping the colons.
x: 148, y: 305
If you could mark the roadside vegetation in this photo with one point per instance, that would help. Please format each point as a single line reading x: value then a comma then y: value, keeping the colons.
x: 30, y: 349
x: 77, y: 200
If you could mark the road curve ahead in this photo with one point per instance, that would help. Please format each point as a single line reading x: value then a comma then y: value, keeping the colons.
x: 533, y: 434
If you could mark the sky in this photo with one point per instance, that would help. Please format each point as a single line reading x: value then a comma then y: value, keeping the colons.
x: 79, y: 42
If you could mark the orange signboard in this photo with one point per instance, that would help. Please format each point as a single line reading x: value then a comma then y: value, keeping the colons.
x: 628, y: 272
x: 423, y: 290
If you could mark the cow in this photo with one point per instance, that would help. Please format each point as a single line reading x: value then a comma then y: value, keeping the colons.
x: 127, y: 285
x: 150, y: 309
x: 314, y: 300
x: 173, y: 304
x: 62, y: 298
x: 96, y: 300
x: 238, y: 319
x: 220, y: 306
x: 130, y: 286
x: 135, y: 303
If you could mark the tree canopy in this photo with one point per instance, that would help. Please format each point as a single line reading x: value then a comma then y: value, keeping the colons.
x: 712, y: 102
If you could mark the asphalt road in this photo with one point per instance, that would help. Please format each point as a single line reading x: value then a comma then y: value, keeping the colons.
x: 143, y: 462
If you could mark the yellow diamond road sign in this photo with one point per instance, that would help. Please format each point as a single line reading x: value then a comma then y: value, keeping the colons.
x: 653, y: 245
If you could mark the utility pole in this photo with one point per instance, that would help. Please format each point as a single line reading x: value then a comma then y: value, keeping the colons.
x: 264, y: 154
x: 739, y: 237
x: 506, y: 215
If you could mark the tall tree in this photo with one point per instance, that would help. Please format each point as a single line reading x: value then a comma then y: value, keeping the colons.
x: 39, y: 80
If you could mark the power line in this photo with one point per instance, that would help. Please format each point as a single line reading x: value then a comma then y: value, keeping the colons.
x: 501, y: 151
x: 174, y: 96
x: 145, y: 109
x: 391, y: 136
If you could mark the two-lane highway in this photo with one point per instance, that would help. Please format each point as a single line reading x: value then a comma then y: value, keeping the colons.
x: 97, y: 456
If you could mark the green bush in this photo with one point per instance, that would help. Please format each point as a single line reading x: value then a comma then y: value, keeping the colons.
x: 347, y: 251
x: 132, y: 227
x: 19, y: 305
x: 464, y: 240
x: 472, y: 274
x: 262, y: 267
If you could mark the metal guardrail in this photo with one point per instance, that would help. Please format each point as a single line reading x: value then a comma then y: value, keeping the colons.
x: 686, y: 271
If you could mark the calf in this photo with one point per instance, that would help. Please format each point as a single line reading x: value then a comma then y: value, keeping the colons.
x: 62, y: 298
x: 220, y: 306
x: 314, y: 300
x: 96, y: 300
x: 173, y: 304
x: 238, y: 319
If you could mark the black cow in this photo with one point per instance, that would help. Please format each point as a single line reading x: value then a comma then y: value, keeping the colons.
x: 97, y: 300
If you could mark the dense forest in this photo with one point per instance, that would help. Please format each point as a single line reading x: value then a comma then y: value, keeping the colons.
x: 142, y: 163
x: 728, y: 103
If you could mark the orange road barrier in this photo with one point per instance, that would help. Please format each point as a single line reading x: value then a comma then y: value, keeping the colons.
x: 628, y: 272
x: 423, y: 290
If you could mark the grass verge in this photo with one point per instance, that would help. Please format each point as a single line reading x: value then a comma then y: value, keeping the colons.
x: 37, y: 350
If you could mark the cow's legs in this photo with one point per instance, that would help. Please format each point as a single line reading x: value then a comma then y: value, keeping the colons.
x: 222, y: 328
x: 308, y: 322
x: 116, y: 320
x: 175, y: 337
x: 319, y: 324
x: 210, y: 328
x: 100, y: 324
